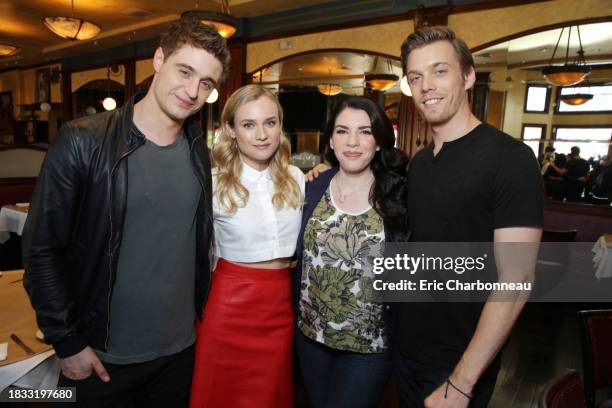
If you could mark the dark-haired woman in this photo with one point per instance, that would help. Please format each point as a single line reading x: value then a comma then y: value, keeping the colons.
x: 342, y: 340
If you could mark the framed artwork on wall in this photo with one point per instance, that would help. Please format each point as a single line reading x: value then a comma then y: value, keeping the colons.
x: 6, y: 116
x: 43, y: 85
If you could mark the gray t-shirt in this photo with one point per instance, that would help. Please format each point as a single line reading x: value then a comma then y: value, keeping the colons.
x: 152, y: 309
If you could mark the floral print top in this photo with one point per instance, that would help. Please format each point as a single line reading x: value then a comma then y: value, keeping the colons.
x: 337, y: 305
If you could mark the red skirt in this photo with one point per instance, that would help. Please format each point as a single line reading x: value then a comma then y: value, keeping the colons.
x: 244, y: 344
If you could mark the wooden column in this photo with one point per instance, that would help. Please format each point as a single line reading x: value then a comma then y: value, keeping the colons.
x: 234, y: 79
x: 130, y: 78
x: 66, y: 96
x: 480, y: 95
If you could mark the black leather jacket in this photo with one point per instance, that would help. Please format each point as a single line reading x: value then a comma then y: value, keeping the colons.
x: 73, y: 232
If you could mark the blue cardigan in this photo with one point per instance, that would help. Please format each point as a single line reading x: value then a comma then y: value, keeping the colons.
x: 314, y: 191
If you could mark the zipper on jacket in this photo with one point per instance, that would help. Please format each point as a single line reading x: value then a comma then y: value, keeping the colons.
x: 210, y: 220
x: 112, y: 255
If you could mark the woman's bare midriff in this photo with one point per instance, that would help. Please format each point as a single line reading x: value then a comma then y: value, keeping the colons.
x: 277, y: 263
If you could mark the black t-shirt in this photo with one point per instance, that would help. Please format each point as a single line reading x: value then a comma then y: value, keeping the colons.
x: 576, y: 168
x: 480, y: 182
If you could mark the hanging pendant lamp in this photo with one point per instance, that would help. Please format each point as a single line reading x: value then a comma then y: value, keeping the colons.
x: 71, y: 27
x: 223, y: 21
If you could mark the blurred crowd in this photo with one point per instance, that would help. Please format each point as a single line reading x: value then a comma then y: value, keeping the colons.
x: 570, y: 177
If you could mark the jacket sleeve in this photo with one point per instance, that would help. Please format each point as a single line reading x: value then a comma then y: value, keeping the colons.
x: 46, y: 244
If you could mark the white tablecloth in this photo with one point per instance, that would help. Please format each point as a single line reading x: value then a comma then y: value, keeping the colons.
x: 39, y: 372
x: 11, y: 221
x: 603, y: 258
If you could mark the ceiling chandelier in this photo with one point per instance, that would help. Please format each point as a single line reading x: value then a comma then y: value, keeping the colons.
x: 71, y: 27
x: 223, y: 21
x: 329, y: 89
x: 576, y: 99
x: 6, y: 50
x: 380, y: 82
x: 567, y: 74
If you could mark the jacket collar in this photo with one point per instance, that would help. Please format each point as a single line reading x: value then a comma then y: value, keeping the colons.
x: 191, y: 125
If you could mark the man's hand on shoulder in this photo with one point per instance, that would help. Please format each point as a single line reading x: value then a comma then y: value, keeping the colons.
x: 82, y: 365
x: 316, y: 171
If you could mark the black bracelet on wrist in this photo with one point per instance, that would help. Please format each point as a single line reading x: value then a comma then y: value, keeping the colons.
x: 465, y: 394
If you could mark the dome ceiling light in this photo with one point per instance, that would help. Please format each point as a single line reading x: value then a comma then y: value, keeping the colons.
x: 329, y: 89
x: 223, y: 21
x: 7, y: 50
x: 567, y: 74
x: 72, y: 28
x: 576, y: 99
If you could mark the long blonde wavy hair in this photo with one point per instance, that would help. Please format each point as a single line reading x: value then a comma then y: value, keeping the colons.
x: 230, y: 192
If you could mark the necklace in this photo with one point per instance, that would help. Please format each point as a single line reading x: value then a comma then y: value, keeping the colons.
x: 342, y: 195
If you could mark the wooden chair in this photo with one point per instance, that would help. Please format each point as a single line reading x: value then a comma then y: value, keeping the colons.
x: 596, y: 340
x: 565, y: 391
x: 552, y: 260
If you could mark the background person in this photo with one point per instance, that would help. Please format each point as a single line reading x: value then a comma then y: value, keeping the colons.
x: 575, y: 175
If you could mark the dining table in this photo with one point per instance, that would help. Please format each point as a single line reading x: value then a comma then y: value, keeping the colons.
x: 29, y: 362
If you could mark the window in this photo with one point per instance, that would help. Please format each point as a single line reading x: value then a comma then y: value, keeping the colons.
x: 592, y: 141
x: 601, y: 102
x: 533, y: 135
x: 537, y: 98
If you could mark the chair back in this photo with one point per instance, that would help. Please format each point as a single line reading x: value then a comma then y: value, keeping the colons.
x: 559, y: 236
x: 596, y: 339
x: 552, y: 260
x: 565, y: 391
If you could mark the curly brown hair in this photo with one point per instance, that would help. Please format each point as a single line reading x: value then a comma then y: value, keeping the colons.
x: 191, y: 32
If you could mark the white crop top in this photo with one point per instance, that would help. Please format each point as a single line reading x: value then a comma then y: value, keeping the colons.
x: 257, y: 232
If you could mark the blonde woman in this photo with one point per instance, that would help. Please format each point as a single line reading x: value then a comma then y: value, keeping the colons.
x: 243, y: 347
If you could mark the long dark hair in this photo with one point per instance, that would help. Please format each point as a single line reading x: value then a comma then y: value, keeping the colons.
x: 389, y: 165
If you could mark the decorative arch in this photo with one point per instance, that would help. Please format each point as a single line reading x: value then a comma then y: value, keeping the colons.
x: 323, y: 50
x: 385, y: 38
x: 92, y: 93
x: 483, y: 27
x: 539, y: 30
x: 102, y: 83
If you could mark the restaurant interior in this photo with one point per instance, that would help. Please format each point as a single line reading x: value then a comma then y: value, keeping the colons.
x: 314, y: 54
